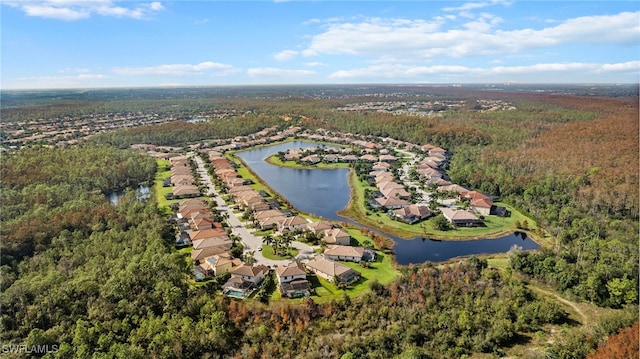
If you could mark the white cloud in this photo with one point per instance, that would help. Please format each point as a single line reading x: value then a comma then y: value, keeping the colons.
x: 391, y: 40
x: 475, y: 5
x: 278, y: 72
x: 173, y: 69
x: 48, y: 82
x: 81, y: 9
x: 315, y: 64
x: 405, y: 72
x: 285, y: 55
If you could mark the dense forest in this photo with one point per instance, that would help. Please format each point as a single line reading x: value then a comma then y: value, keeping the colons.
x: 103, y: 280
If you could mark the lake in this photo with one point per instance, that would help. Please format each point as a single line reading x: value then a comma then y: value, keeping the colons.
x: 323, y: 192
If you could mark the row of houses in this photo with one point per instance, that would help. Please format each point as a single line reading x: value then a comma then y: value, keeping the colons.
x: 181, y: 179
x: 292, y: 278
x: 211, y: 244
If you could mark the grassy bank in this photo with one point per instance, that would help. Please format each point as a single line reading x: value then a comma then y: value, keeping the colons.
x: 159, y: 191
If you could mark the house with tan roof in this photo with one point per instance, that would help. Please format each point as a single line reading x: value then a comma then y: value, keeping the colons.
x: 244, y: 280
x: 413, y: 213
x: 478, y: 202
x: 270, y: 222
x: 185, y: 179
x: 349, y: 158
x: 195, y: 213
x: 387, y: 158
x: 332, y: 271
x: 319, y: 227
x: 349, y: 253
x: 292, y: 280
x: 383, y: 177
x: 185, y: 191
x: 437, y: 151
x: 369, y: 158
x: 201, y: 223
x: 337, y: 236
x: 198, y: 255
x: 250, y: 273
x: 192, y: 203
x: 395, y: 192
x: 391, y: 202
x: 208, y: 233
x: 461, y: 218
x: 219, y: 264
x: 452, y: 188
x: 380, y: 166
x: 292, y: 223
x: 268, y: 213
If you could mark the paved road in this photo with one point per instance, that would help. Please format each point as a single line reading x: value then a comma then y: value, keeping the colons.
x: 251, y: 242
x: 404, y: 176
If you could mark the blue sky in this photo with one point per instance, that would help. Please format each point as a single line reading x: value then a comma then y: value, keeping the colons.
x: 109, y: 43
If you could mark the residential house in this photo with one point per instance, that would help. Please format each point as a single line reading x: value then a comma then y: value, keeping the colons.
x: 337, y: 236
x: 179, y: 180
x: 380, y: 166
x: 292, y: 280
x: 452, y: 188
x: 387, y: 158
x: 319, y: 227
x: 311, y: 159
x: 413, y: 213
x: 250, y: 273
x: 395, y: 192
x: 200, y: 254
x: 244, y: 280
x: 330, y: 158
x: 292, y: 223
x: 369, y: 158
x: 219, y: 264
x: 461, y: 218
x: 266, y: 223
x: 349, y: 253
x: 185, y: 191
x: 349, y: 158
x: 437, y: 151
x: 391, y: 202
x: 208, y: 233
x: 478, y: 202
x: 198, y: 223
x: 332, y: 271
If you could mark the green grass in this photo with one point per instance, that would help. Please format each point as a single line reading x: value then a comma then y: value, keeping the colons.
x: 267, y: 252
x: 186, y: 252
x: 382, y: 270
x: 159, y: 191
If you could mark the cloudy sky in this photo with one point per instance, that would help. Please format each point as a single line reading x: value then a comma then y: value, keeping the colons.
x: 109, y: 43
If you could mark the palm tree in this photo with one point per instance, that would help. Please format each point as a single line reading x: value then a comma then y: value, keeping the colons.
x: 286, y: 240
x: 270, y: 241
